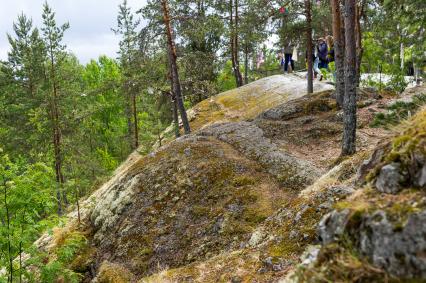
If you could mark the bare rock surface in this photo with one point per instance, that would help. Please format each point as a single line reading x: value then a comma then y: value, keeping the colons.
x: 250, y: 141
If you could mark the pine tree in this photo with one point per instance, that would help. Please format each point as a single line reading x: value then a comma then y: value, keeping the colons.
x: 126, y: 27
x: 25, y: 69
x: 171, y: 51
x: 52, y: 36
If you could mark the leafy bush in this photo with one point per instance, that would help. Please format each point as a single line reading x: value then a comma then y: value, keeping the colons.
x: 397, y: 82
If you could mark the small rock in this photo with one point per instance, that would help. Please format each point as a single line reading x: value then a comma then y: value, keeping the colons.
x: 389, y: 179
x: 187, y: 151
x: 310, y: 255
x: 268, y: 262
x: 175, y: 199
x: 256, y: 238
x: 300, y: 213
x: 277, y: 267
x: 421, y: 177
x: 332, y: 225
x: 293, y: 234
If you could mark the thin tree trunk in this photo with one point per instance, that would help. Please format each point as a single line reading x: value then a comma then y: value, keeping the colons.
x: 236, y: 47
x: 20, y: 246
x: 174, y: 105
x: 233, y: 29
x: 246, y: 79
x: 309, y: 45
x: 349, y: 102
x: 358, y: 33
x: 135, y: 121
x: 128, y: 111
x: 175, y: 115
x: 339, y: 51
x: 9, y: 245
x: 174, y: 70
x: 57, y: 139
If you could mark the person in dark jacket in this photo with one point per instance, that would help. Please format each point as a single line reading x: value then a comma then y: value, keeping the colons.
x: 288, y: 54
x: 322, y: 53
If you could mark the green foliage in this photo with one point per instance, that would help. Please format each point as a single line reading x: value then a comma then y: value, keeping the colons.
x: 226, y: 79
x: 26, y: 199
x: 55, y: 270
x: 398, y: 111
x: 397, y: 82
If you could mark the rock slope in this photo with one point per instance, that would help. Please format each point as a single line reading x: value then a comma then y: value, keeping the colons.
x: 241, y: 198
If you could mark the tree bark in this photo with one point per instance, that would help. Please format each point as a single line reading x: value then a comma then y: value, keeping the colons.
x: 309, y: 45
x: 233, y: 27
x: 175, y: 115
x: 339, y: 51
x: 246, y: 79
x: 57, y: 141
x: 358, y: 32
x: 349, y: 102
x: 177, y: 90
x: 128, y: 112
x: 135, y: 120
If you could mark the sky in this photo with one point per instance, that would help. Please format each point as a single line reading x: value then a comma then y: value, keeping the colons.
x: 89, y: 35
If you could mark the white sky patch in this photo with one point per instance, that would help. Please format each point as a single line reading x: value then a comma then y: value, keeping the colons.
x: 90, y: 21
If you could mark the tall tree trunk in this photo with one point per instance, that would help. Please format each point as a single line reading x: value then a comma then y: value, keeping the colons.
x: 309, y: 47
x: 60, y: 194
x: 339, y: 51
x: 128, y: 112
x: 174, y: 104
x: 7, y: 220
x: 349, y: 102
x: 233, y: 29
x: 246, y: 79
x: 175, y: 115
x: 236, y: 45
x: 135, y: 120
x: 174, y: 70
x: 358, y: 33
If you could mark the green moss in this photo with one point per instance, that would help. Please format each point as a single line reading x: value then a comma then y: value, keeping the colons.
x: 319, y: 105
x: 398, y: 112
x: 84, y: 259
x: 339, y: 264
x: 403, y: 148
x: 243, y: 180
x: 113, y: 273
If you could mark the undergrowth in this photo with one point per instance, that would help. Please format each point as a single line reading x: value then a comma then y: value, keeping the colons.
x: 398, y: 111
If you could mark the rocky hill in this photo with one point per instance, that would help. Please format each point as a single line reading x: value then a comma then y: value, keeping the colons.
x: 258, y: 193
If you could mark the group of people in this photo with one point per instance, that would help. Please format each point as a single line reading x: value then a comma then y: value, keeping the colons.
x: 322, y: 55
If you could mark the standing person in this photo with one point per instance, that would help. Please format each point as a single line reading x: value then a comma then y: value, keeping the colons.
x: 322, y: 54
x: 317, y: 71
x: 288, y: 54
